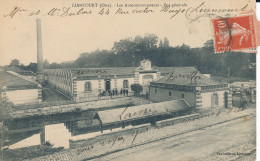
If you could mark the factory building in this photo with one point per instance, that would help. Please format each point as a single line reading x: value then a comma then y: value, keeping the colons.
x: 90, y: 82
x: 189, y: 84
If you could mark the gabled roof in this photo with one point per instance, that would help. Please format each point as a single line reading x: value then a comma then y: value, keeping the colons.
x: 77, y: 72
x: 17, y: 70
x: 103, y: 71
x: 12, y: 80
x: 183, y: 76
x: 141, y: 111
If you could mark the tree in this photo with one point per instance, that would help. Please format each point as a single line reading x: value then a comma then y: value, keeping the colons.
x: 32, y: 67
x: 54, y: 65
x: 46, y: 64
x: 209, y: 43
x: 165, y: 42
x: 161, y: 44
x: 15, y: 62
x: 137, y: 88
x: 23, y: 67
x: 130, y: 51
x: 150, y: 40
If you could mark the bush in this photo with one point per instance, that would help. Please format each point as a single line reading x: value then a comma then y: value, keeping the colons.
x: 137, y: 88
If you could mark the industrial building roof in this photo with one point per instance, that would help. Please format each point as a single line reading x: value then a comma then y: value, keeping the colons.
x: 12, y: 81
x: 103, y: 71
x: 141, y: 111
x: 186, y: 76
x: 17, y: 70
x: 77, y: 72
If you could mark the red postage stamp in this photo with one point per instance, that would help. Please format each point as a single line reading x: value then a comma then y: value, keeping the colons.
x: 234, y: 34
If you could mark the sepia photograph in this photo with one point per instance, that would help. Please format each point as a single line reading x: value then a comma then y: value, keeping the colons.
x: 119, y: 80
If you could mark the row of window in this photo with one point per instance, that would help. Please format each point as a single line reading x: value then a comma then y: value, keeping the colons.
x: 177, y: 87
x: 88, y: 86
x: 214, y: 86
x: 170, y: 93
x: 190, y: 88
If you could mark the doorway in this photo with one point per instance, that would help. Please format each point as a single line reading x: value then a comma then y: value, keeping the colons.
x: 108, y: 84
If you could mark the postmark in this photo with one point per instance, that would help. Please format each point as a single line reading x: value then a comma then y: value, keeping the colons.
x: 234, y: 34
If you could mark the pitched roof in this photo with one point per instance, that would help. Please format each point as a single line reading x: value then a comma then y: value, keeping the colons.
x: 13, y: 80
x: 141, y: 111
x: 17, y: 70
x: 76, y: 72
x: 165, y: 70
x: 183, y: 75
x: 103, y: 71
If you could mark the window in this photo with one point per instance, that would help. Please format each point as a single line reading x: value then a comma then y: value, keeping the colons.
x: 182, y: 95
x: 214, y: 100
x: 88, y: 121
x: 125, y: 84
x: 155, y: 91
x: 170, y: 93
x: 87, y: 86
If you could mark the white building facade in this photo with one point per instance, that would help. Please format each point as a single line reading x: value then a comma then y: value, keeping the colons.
x: 198, y: 90
x: 91, y: 82
x: 19, y: 89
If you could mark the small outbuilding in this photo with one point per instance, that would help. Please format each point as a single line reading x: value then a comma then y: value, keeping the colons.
x: 19, y: 89
x: 137, y: 115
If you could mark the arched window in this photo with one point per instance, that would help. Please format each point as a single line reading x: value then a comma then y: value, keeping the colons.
x: 88, y: 86
x: 125, y: 84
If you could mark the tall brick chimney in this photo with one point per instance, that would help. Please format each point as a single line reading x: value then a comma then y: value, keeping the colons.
x: 40, y: 73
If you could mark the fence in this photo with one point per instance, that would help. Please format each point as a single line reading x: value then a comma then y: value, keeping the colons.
x: 237, y: 100
x: 100, y: 97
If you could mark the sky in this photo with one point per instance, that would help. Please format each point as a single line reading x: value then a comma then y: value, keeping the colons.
x: 65, y: 38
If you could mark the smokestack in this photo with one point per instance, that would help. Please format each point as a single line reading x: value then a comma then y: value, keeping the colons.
x: 40, y: 74
x: 39, y: 47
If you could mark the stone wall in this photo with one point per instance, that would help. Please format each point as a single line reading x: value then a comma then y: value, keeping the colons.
x: 164, y: 94
x: 101, y: 104
x: 23, y: 96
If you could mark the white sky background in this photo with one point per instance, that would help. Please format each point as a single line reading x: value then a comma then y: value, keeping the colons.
x: 64, y: 39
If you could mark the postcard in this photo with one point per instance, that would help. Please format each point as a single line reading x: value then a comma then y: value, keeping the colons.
x: 149, y: 80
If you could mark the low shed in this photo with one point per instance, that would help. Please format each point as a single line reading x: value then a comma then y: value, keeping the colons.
x: 135, y: 115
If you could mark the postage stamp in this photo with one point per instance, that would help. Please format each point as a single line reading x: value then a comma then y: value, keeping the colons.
x: 234, y: 34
